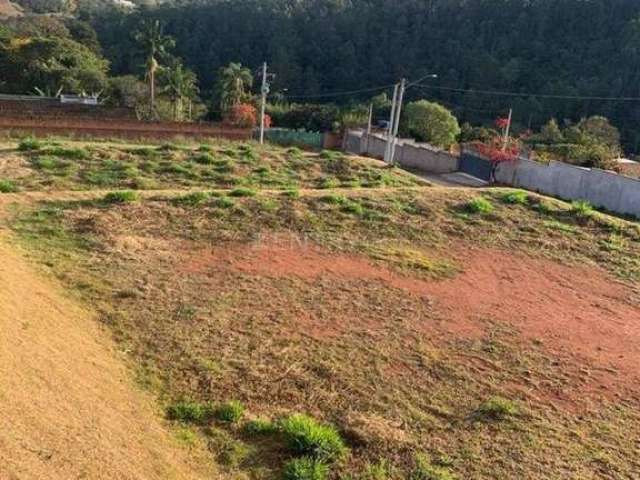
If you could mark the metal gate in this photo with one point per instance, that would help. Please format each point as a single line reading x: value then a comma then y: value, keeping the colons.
x: 475, y: 166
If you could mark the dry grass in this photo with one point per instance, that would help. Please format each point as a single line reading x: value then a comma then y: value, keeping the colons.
x: 182, y: 288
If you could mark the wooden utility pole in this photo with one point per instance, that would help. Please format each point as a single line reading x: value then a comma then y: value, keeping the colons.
x: 403, y: 86
x: 387, y: 152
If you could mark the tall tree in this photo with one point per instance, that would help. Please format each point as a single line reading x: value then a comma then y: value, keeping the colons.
x: 155, y: 44
x: 179, y: 83
x: 234, y: 85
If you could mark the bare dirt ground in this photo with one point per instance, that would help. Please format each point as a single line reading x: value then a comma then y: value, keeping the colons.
x: 581, y: 315
x: 69, y: 408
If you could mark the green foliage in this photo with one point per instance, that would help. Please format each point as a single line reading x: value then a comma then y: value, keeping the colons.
x: 581, y: 209
x: 306, y: 436
x: 204, y: 159
x: 479, y: 205
x: 305, y: 468
x: 260, y: 426
x: 126, y: 196
x: 29, y: 143
x: 224, y: 202
x: 497, y: 408
x: 7, y: 186
x: 424, y: 470
x: 190, y: 412
x: 292, y: 193
x: 243, y: 192
x: 430, y: 122
x: 194, y: 199
x: 516, y: 198
x: 71, y: 153
x: 230, y: 412
x: 234, y: 85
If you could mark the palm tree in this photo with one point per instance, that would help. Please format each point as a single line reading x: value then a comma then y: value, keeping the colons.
x: 179, y: 83
x: 234, y: 84
x: 155, y: 45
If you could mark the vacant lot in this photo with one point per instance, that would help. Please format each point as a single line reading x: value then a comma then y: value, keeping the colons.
x: 445, y: 333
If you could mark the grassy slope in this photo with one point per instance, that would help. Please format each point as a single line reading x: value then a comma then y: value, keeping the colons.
x: 208, y: 333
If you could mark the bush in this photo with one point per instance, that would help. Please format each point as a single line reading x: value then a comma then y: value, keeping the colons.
x: 230, y: 412
x: 126, y: 196
x: 305, y: 436
x: 516, y: 198
x: 305, y: 469
x: 190, y: 412
x: 7, y: 186
x: 242, y: 192
x: 497, y: 408
x: 479, y: 205
x: 28, y: 144
x: 431, y: 122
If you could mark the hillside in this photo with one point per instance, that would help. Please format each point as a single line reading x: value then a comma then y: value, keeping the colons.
x: 8, y: 9
x: 444, y: 333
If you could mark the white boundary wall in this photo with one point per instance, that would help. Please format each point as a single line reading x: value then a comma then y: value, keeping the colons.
x: 614, y: 192
x: 409, y: 154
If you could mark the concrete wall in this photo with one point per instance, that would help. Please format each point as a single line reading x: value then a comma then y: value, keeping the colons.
x: 409, y: 154
x: 614, y: 192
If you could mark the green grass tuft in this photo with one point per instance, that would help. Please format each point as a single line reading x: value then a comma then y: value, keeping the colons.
x: 71, y: 153
x: 29, y: 144
x: 243, y: 192
x: 230, y: 412
x: 516, y: 198
x: 7, y: 186
x: 224, y: 202
x: 306, y: 436
x: 204, y: 159
x: 424, y: 470
x: 497, y: 408
x: 581, y: 209
x: 194, y: 199
x: 260, y: 426
x: 190, y: 412
x: 479, y: 205
x: 305, y: 468
x: 124, y: 196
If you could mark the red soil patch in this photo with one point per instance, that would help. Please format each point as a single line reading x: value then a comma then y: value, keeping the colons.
x: 579, y: 314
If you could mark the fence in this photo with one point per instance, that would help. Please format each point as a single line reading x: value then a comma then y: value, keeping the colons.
x: 409, y: 154
x: 608, y: 190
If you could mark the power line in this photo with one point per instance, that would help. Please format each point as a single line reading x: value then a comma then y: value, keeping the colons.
x: 338, y: 94
x: 535, y: 95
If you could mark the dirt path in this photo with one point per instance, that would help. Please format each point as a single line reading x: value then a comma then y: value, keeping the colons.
x: 69, y: 409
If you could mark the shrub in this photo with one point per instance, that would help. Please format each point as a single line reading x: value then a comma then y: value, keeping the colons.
x: 423, y: 470
x: 204, y: 159
x: 479, y: 205
x: 28, y: 144
x: 230, y: 412
x: 190, y: 412
x: 7, y: 186
x: 431, y: 122
x: 224, y: 202
x: 260, y: 426
x: 516, y: 198
x: 242, y: 192
x: 125, y: 196
x: 305, y: 469
x: 306, y: 436
x: 497, y: 408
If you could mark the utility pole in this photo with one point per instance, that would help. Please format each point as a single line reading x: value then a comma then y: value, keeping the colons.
x: 507, y: 131
x: 387, y: 152
x: 265, y: 91
x: 403, y: 86
x: 370, y: 119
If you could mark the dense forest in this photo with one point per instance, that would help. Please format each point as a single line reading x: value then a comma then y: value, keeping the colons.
x: 556, y: 47
x: 541, y: 54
